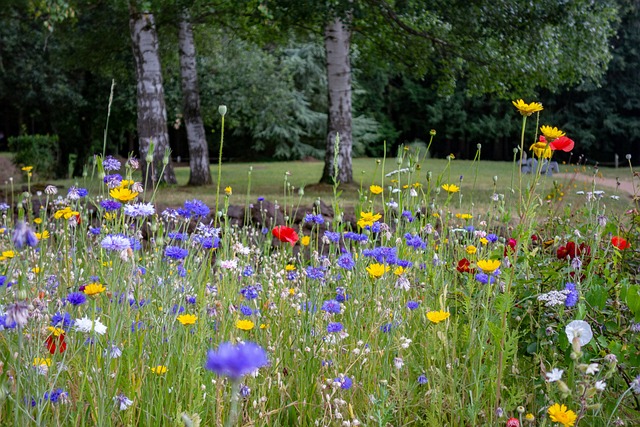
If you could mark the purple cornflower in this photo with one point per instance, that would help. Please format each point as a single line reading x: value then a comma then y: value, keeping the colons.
x: 115, y: 242
x: 139, y: 210
x: 346, y: 261
x: 23, y: 235
x: 194, y: 208
x: 56, y: 395
x: 572, y: 296
x: 331, y: 306
x: 345, y: 382
x: 249, y: 292
x: 110, y: 164
x: 334, y: 327
x: 341, y: 294
x: 190, y: 299
x: 408, y: 215
x: 415, y: 242
x: 76, y: 193
x: 110, y: 205
x: 333, y: 236
x: 422, y: 379
x: 382, y: 254
x: 175, y: 252
x: 314, y: 273
x: 77, y: 298
x: 492, y: 238
x: 174, y: 235
x: 248, y: 271
x: 484, y: 278
x: 350, y: 235
x: 95, y: 230
x: 113, y: 181
x: 316, y: 219
x: 246, y: 311
x: 61, y: 320
x: 236, y: 361
x: 412, y: 305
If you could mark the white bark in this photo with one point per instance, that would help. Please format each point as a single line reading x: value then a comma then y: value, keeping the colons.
x: 337, y: 42
x: 200, y: 173
x: 152, y: 113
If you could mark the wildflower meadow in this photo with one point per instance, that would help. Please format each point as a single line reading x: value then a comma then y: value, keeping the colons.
x: 402, y: 307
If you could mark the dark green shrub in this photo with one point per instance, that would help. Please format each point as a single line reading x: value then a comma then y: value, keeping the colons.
x: 39, y: 151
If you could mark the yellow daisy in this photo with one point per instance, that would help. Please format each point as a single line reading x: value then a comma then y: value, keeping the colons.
x: 527, y: 109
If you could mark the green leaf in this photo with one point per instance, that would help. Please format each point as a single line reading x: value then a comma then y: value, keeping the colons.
x: 597, y: 297
x: 632, y: 299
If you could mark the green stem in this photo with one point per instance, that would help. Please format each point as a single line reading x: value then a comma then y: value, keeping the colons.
x: 219, y: 171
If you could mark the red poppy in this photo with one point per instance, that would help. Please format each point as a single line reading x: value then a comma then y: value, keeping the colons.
x: 53, y: 343
x: 511, y: 244
x: 285, y: 234
x: 563, y: 143
x: 513, y: 422
x: 571, y: 250
x: 620, y: 242
x: 463, y: 266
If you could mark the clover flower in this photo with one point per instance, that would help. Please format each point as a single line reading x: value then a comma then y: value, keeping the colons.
x: 236, y: 361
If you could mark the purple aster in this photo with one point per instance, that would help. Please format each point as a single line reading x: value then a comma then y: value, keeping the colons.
x: 110, y: 164
x: 175, y: 252
x: 110, y: 205
x: 334, y: 327
x: 236, y: 361
x: 333, y: 236
x: 115, y: 242
x: 77, y: 298
x: 346, y: 261
x: 194, y: 208
x: 412, y: 305
x: 572, y: 296
x: 345, y: 382
x: 23, y: 235
x: 331, y: 306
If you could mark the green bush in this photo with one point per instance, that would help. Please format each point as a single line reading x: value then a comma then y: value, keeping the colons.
x: 39, y: 151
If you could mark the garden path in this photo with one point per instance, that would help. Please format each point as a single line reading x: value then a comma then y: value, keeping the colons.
x: 626, y: 185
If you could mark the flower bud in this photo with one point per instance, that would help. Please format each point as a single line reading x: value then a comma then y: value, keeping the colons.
x: 563, y: 387
x: 432, y: 132
x: 222, y: 110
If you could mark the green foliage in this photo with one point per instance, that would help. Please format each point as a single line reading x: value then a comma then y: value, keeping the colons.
x: 39, y: 151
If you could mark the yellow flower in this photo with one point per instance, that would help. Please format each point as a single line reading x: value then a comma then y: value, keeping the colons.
x: 7, y: 255
x: 527, y: 109
x: 27, y: 168
x: 367, y: 219
x: 398, y: 271
x: 228, y: 191
x: 159, y: 370
x: 187, y: 319
x: 464, y: 216
x: 471, y: 249
x: 43, y: 236
x: 451, y: 157
x: 292, y: 291
x: 36, y: 270
x: 417, y: 185
x: 94, y: 289
x: 110, y: 215
x: 123, y: 194
x: 245, y: 325
x: 37, y: 221
x: 541, y: 149
x: 375, y: 189
x: 529, y: 417
x: 438, y: 316
x: 450, y: 188
x: 435, y: 215
x: 65, y: 213
x: 484, y: 241
x: 290, y: 267
x: 126, y: 183
x: 488, y: 265
x: 41, y: 361
x: 377, y: 270
x: 551, y: 133
x: 263, y: 326
x: 305, y: 240
x: 56, y: 332
x: 559, y: 414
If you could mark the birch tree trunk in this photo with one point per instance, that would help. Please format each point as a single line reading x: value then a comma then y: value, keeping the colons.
x: 152, y: 112
x: 198, y: 149
x: 337, y: 39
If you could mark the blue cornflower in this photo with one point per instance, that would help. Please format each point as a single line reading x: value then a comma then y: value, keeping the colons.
x: 110, y: 205
x: 350, y: 235
x: 137, y: 326
x: 246, y: 310
x: 292, y: 275
x: 375, y: 228
x: 248, y: 271
x: 331, y: 306
x: 76, y: 193
x: 77, y: 298
x: 484, y: 278
x: 182, y: 272
x: 422, y: 379
x: 346, y: 261
x: 139, y: 210
x: 334, y: 327
x: 492, y: 238
x: 470, y: 228
x: 408, y: 215
x: 260, y: 199
x: 415, y: 242
x: 382, y: 254
x: 174, y: 235
x: 345, y: 382
x: 314, y: 273
x: 412, y: 305
x: 61, y: 320
x: 175, y: 252
x: 135, y: 244
x: 244, y: 391
x: 113, y: 180
x: 55, y: 395
x: 110, y: 164
x: 95, y: 230
x: 115, y: 242
x: 386, y: 327
x: 4, y: 207
x: 249, y: 292
x: 236, y: 361
x: 3, y: 280
x: 23, y: 235
x: 177, y: 309
x: 572, y: 296
x: 333, y: 236
x: 194, y: 208
x: 190, y: 300
x: 402, y: 263
x: 264, y: 230
x: 316, y: 219
x: 341, y: 295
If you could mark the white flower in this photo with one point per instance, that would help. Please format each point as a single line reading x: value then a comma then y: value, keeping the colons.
x: 579, y: 329
x: 403, y: 283
x: 87, y: 325
x: 231, y: 264
x: 398, y: 362
x: 592, y: 369
x: 123, y: 401
x: 554, y: 375
x: 600, y: 385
